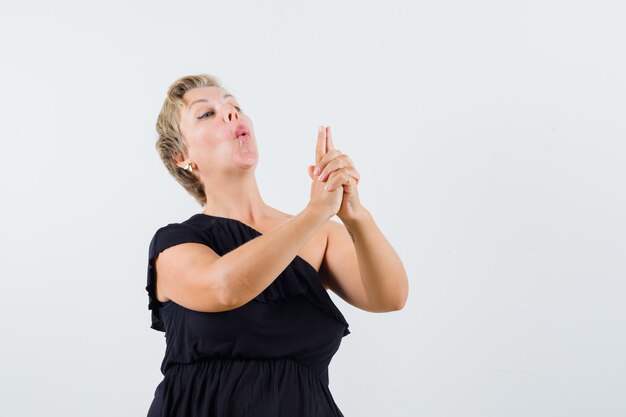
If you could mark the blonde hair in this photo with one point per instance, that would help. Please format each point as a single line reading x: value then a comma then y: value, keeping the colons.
x: 171, y: 144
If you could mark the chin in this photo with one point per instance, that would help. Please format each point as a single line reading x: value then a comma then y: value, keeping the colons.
x: 249, y: 160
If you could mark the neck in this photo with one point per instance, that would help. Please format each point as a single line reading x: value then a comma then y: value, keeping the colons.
x: 236, y: 198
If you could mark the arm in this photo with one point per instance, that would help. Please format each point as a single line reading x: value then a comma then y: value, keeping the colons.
x: 194, y: 276
x: 362, y: 267
x: 197, y: 278
x: 360, y: 264
x: 253, y: 266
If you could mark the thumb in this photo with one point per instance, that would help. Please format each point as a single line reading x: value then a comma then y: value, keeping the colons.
x: 310, y: 169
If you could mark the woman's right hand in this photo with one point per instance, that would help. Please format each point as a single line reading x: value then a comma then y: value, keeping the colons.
x: 328, y: 202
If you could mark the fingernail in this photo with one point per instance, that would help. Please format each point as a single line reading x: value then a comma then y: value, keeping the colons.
x: 326, y: 187
x: 317, y: 171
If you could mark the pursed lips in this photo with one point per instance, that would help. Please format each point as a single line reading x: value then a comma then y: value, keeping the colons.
x: 240, y: 131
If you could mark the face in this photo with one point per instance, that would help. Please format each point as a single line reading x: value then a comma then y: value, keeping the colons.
x: 210, y: 122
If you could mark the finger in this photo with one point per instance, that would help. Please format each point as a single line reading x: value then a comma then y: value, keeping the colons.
x: 350, y: 168
x: 329, y: 140
x: 339, y: 161
x: 353, y: 173
x: 330, y: 155
x: 332, y: 161
x: 337, y: 181
x: 343, y: 177
x: 320, y: 149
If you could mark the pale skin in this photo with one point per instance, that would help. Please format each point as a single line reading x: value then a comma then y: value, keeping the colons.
x: 354, y: 259
x: 359, y: 265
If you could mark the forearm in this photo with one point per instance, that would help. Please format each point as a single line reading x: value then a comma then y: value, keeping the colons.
x: 253, y: 266
x: 382, y: 272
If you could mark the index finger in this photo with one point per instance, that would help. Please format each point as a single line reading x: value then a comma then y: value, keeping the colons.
x: 329, y: 143
x: 320, y: 149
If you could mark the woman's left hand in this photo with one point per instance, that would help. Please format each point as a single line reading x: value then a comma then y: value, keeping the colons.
x: 338, y: 170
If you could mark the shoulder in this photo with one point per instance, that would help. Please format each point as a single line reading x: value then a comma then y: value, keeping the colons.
x: 175, y: 233
x: 194, y: 225
x: 175, y: 229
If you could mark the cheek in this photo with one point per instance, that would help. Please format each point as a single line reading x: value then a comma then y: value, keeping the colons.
x: 217, y: 147
x: 208, y: 137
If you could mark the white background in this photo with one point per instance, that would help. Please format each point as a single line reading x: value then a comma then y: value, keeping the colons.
x: 490, y: 138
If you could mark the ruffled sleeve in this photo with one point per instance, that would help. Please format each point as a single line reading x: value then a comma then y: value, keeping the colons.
x: 165, y: 237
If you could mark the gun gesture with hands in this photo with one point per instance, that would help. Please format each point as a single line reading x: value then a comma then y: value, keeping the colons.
x: 338, y: 175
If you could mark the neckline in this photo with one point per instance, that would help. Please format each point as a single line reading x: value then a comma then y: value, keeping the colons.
x: 304, y: 261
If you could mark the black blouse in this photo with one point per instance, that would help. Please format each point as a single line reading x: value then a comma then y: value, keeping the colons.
x: 268, y: 357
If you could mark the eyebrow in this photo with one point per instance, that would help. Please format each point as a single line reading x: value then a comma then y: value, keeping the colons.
x: 204, y: 99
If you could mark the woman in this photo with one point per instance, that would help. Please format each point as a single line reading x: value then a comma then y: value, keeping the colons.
x: 242, y: 287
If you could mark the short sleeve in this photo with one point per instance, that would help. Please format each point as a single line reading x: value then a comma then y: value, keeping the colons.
x: 167, y: 236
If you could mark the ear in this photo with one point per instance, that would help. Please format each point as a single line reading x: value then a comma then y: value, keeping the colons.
x: 180, y: 161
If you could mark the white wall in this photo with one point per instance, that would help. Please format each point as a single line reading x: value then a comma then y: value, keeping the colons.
x: 490, y: 141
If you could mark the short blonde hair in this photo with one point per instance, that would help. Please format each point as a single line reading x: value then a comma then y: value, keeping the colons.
x: 171, y: 144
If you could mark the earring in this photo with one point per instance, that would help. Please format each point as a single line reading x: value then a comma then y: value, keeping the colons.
x: 189, y: 167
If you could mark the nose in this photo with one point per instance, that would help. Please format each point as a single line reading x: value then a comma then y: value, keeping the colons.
x: 231, y: 114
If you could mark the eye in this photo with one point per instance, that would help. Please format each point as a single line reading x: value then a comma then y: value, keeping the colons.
x: 203, y: 115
